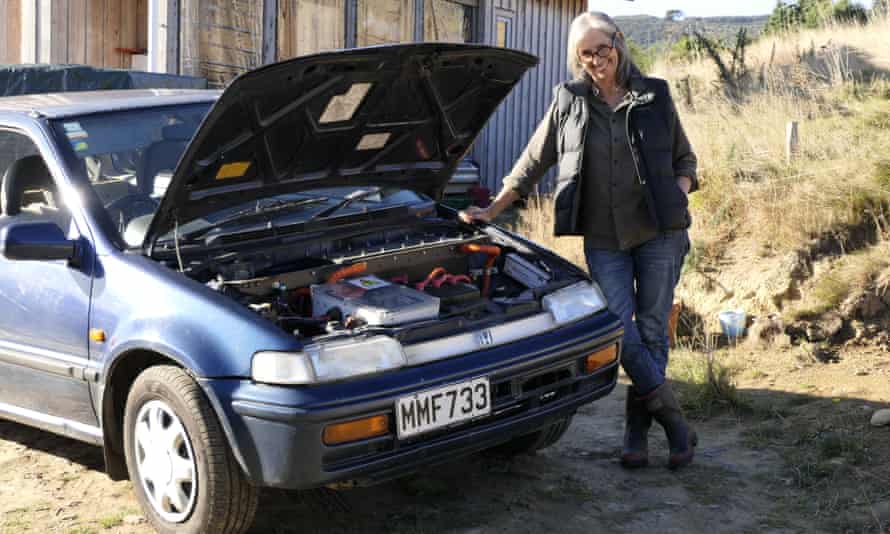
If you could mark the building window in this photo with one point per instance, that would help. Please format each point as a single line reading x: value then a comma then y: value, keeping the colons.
x: 310, y: 26
x: 384, y: 21
x: 447, y: 21
x: 503, y: 32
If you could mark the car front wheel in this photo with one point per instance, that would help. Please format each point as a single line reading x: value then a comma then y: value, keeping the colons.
x: 183, y: 472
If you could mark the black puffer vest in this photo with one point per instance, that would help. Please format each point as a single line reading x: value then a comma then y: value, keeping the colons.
x: 650, y: 135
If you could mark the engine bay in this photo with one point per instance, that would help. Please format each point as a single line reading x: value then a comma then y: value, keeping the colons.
x: 411, y: 282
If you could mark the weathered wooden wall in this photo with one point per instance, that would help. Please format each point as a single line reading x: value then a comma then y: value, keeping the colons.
x: 95, y: 32
x: 220, y: 38
x: 10, y: 31
x: 309, y: 26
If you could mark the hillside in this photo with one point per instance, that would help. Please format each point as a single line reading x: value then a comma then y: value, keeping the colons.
x: 661, y: 33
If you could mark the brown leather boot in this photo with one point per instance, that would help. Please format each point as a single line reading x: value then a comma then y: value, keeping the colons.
x: 637, y: 421
x: 664, y: 408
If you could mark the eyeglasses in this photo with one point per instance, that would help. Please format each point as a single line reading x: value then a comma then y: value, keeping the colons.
x: 601, y: 51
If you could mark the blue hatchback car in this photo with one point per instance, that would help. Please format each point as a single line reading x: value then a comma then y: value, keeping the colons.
x: 258, y: 287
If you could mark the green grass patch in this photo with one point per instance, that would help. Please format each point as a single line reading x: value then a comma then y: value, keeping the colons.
x: 112, y: 521
x: 882, y: 174
x: 763, y: 435
x: 706, y: 386
x: 851, y: 272
x: 829, y: 291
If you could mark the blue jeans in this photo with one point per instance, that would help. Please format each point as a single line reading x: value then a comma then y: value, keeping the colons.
x: 639, y: 287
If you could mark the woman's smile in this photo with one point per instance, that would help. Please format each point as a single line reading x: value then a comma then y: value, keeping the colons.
x: 598, y: 57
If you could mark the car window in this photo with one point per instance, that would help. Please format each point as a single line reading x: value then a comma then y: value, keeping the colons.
x: 129, y: 156
x: 14, y: 146
x: 27, y: 189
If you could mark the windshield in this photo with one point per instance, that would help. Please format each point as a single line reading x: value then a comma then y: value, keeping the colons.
x: 129, y: 158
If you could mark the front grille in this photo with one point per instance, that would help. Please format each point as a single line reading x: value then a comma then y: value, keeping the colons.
x: 510, y: 397
x: 545, y: 380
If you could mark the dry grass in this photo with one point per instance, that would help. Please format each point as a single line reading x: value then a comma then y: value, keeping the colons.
x: 826, y: 51
x: 536, y: 223
x: 828, y: 289
x: 834, y: 83
x: 750, y: 190
x: 705, y: 382
x: 830, y: 82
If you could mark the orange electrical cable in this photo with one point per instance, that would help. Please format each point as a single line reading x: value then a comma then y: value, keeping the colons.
x: 438, y: 271
x: 492, y: 251
x: 351, y: 270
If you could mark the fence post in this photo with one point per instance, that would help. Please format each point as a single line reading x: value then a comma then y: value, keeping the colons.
x: 687, y: 92
x: 792, y: 141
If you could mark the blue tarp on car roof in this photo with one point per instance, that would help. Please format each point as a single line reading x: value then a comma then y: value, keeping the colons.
x: 34, y: 79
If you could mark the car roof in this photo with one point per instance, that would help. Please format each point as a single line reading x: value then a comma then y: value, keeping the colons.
x: 59, y: 105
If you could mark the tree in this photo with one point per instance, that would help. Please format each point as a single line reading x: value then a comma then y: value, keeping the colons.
x: 785, y: 17
x: 643, y: 58
x: 687, y: 49
x: 796, y: 14
x: 849, y: 13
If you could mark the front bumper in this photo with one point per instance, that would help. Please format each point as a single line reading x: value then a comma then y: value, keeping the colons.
x: 276, y: 432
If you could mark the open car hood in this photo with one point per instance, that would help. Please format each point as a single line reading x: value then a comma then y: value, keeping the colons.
x: 400, y: 115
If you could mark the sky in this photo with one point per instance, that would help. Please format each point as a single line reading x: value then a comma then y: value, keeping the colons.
x: 692, y: 8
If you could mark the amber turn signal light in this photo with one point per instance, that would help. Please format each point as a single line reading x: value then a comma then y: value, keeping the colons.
x: 600, y: 358
x: 357, y: 429
x: 97, y: 335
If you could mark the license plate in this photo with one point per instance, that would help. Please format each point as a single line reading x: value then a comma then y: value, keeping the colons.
x: 441, y: 407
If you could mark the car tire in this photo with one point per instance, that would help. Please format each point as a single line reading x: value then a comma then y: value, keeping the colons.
x: 530, y: 443
x: 183, y: 472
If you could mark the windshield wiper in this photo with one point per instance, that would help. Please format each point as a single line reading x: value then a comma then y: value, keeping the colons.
x: 262, y: 210
x: 345, y: 201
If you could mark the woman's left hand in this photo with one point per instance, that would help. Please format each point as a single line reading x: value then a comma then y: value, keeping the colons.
x: 684, y: 183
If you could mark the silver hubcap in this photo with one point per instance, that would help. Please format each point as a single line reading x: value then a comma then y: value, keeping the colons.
x: 167, y: 468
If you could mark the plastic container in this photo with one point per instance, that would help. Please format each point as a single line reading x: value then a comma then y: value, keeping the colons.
x: 732, y: 322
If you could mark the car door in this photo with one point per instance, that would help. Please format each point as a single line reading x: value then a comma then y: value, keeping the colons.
x: 44, y: 305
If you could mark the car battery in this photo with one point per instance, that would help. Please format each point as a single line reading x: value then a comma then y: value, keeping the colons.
x: 375, y: 301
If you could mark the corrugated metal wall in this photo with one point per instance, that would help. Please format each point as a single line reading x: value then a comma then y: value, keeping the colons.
x: 540, y: 27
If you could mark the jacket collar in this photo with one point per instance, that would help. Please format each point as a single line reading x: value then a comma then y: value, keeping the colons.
x: 641, y: 93
x: 639, y: 89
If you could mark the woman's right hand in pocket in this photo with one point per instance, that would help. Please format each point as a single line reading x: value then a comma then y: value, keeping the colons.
x: 475, y: 213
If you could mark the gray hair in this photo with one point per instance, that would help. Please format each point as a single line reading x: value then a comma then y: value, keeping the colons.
x: 594, y: 20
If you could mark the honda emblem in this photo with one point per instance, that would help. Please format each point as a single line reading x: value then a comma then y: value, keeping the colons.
x: 484, y: 338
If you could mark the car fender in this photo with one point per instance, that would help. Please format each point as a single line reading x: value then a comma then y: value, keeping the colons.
x: 139, y: 304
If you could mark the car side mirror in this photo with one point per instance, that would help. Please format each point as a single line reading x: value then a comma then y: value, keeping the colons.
x: 37, y: 241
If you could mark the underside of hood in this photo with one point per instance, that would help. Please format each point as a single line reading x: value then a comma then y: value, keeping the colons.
x: 399, y: 115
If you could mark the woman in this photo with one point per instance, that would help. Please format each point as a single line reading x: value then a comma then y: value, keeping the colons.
x: 625, y: 169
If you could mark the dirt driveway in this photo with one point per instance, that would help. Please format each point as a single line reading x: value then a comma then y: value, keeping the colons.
x: 743, y: 480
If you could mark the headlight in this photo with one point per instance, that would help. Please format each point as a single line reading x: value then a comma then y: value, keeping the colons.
x: 574, y: 302
x: 282, y: 368
x: 326, y: 362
